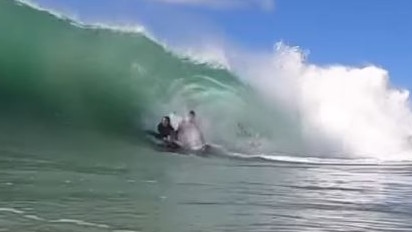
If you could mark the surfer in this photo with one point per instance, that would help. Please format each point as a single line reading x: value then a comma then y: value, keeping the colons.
x: 165, y: 130
x: 189, y: 134
x: 187, y: 137
x: 166, y: 133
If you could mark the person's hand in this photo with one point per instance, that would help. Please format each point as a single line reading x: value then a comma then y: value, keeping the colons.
x: 204, y: 147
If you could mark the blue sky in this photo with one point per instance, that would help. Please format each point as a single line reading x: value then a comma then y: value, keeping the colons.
x: 350, y: 32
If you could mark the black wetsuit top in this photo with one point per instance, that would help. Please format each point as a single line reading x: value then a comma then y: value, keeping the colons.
x: 165, y: 131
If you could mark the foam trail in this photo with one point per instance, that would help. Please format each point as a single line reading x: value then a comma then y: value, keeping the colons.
x: 305, y: 160
x: 80, y: 223
x: 62, y: 221
x: 11, y: 210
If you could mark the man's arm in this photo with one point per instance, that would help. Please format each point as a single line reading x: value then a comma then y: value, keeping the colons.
x: 179, y: 127
x: 202, y: 138
x: 159, y: 130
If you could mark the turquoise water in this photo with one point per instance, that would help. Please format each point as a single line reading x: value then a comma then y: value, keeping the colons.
x: 106, y: 184
x: 57, y: 70
x: 74, y: 100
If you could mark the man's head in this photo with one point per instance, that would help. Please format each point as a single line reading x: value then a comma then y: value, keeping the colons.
x: 166, y: 120
x: 192, y: 115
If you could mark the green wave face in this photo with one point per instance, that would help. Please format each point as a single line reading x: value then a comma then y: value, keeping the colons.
x: 54, y: 69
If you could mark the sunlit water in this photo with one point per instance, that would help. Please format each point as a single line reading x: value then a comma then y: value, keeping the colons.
x: 119, y: 186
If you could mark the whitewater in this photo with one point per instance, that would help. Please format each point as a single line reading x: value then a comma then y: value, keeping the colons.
x: 306, y: 147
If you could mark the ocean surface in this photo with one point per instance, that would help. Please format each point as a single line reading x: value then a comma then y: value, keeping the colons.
x: 74, y: 100
x: 94, y: 183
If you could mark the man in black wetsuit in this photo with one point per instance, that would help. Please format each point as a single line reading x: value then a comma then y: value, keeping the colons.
x: 165, y: 130
x: 167, y: 133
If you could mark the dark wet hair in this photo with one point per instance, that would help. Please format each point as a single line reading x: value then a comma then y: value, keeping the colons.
x: 167, y: 118
x: 192, y: 113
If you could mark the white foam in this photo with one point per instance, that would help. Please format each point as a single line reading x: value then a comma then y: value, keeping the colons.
x: 150, y: 181
x: 309, y: 160
x: 126, y: 231
x: 20, y: 212
x: 63, y: 220
x: 80, y: 223
x: 34, y: 217
x: 76, y: 21
x: 353, y: 109
x: 208, y: 53
x: 36, y: 6
x: 11, y: 210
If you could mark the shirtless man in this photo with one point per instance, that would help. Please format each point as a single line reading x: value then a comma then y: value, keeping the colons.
x: 189, y: 134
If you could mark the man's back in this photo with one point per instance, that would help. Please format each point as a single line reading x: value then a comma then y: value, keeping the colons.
x: 190, y: 135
